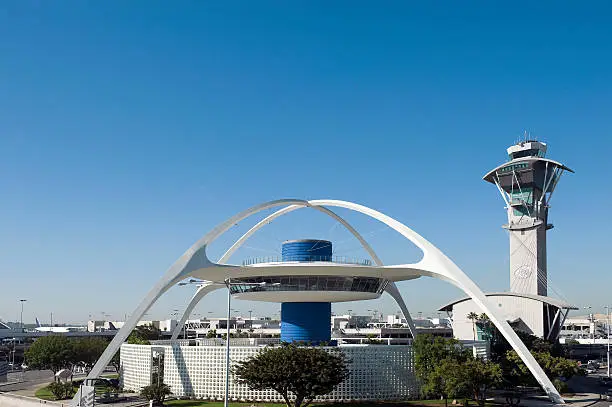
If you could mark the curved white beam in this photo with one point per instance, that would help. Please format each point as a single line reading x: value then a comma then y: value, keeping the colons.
x: 394, y: 292
x: 291, y: 208
x: 202, y: 290
x: 434, y: 264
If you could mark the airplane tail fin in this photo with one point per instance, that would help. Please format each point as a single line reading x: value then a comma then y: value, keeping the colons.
x: 37, y: 323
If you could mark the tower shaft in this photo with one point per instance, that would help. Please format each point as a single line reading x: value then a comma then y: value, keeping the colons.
x: 528, y: 273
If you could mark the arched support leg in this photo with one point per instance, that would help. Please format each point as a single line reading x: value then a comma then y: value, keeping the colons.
x: 129, y: 325
x: 393, y: 291
x: 203, y: 289
x: 113, y: 347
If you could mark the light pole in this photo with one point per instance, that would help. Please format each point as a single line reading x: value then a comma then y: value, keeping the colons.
x: 591, y: 322
x: 22, y: 301
x: 607, y: 307
x: 250, y: 319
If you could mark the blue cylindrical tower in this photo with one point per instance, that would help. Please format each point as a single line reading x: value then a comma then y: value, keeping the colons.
x: 306, y: 321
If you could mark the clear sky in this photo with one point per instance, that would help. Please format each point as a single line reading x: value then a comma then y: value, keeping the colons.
x: 129, y: 129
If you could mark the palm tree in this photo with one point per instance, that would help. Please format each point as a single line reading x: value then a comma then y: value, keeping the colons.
x: 472, y: 316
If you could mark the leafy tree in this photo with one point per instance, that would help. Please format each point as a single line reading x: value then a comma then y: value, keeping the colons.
x: 53, y: 352
x: 430, y: 350
x: 447, y: 380
x: 304, y: 372
x: 555, y: 367
x: 135, y: 339
x: 448, y: 370
x: 143, y: 334
x: 155, y: 392
x: 435, y: 358
x: 479, y: 376
x: 472, y: 316
x: 88, y: 350
x: 212, y: 333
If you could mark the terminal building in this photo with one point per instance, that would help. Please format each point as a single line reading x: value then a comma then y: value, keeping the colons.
x: 526, y: 183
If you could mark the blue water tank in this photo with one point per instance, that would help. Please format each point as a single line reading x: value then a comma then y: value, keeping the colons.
x: 306, y: 321
x: 307, y: 250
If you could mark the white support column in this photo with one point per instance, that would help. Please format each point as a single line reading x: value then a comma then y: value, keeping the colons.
x: 203, y: 289
x: 394, y: 292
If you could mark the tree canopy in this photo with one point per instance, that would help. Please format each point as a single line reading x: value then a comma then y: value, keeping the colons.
x: 555, y: 367
x: 143, y: 334
x: 88, y: 350
x: 53, y: 352
x: 304, y: 372
x: 446, y: 369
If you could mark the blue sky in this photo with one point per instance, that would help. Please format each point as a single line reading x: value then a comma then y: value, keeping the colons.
x: 127, y: 131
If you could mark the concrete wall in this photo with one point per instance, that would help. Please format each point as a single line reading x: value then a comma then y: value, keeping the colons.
x: 14, y: 400
x: 377, y: 372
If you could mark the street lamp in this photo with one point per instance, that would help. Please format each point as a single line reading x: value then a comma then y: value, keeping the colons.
x: 22, y: 301
x: 607, y: 307
x: 250, y: 319
x: 592, y: 322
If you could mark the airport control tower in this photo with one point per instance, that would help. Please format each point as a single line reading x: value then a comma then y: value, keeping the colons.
x: 527, y: 182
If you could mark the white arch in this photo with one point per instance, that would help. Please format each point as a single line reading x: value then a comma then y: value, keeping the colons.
x: 203, y: 289
x: 391, y: 288
x: 434, y: 264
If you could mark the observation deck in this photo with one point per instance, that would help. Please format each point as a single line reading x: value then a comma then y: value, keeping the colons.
x: 309, y: 259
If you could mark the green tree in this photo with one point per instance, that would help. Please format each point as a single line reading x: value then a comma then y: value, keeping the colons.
x: 447, y: 380
x: 472, y: 316
x: 479, y: 376
x: 434, y: 358
x: 88, y: 350
x: 555, y: 367
x: 143, y: 334
x: 212, y: 333
x: 53, y: 352
x: 304, y: 372
x: 156, y: 392
x: 135, y: 339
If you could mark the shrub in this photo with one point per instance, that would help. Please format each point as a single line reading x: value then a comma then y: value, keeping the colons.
x: 61, y: 391
x: 155, y: 392
x: 560, y: 385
